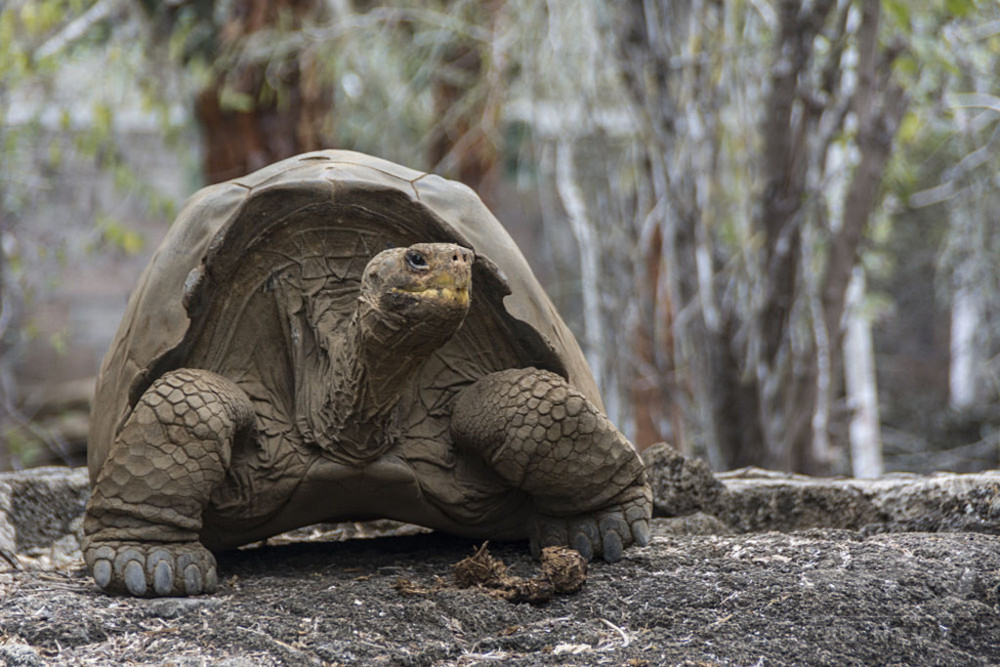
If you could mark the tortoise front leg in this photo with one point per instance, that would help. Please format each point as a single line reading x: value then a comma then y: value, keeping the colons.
x: 544, y: 437
x: 144, y: 515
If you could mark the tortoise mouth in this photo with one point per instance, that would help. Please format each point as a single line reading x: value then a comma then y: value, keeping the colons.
x: 457, y: 294
x: 423, y: 287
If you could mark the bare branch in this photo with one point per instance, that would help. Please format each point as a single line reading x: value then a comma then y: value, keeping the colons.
x: 78, y: 27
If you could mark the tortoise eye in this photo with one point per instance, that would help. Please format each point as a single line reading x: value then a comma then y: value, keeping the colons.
x: 416, y: 261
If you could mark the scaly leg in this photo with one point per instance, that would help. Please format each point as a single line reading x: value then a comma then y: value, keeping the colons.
x: 544, y: 437
x: 143, y: 518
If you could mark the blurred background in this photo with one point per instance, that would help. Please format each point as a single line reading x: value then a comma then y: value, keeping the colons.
x: 772, y: 224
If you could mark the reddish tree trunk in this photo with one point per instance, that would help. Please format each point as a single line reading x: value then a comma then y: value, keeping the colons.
x: 463, y: 142
x: 649, y: 400
x: 276, y: 126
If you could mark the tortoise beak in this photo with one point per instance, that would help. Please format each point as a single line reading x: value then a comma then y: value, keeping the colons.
x: 437, y: 271
x: 417, y: 296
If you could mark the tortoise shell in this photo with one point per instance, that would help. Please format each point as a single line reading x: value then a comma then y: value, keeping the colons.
x: 254, y: 269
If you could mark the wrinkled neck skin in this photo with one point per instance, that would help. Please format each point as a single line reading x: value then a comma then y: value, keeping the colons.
x: 389, y: 353
x: 371, y: 363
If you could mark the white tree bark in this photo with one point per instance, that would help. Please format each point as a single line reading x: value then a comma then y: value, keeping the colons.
x: 78, y: 27
x: 573, y: 200
x: 963, y: 370
x: 861, y: 385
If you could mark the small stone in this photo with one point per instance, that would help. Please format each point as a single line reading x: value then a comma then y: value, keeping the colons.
x: 19, y: 655
x: 177, y: 607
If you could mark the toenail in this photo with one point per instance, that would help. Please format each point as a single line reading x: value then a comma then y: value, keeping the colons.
x: 135, y: 578
x: 612, y: 546
x: 102, y: 572
x: 163, y: 577
x: 211, y: 580
x: 582, y: 544
x: 193, y: 583
x: 640, y: 531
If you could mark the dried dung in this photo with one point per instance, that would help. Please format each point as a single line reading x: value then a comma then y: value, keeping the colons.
x: 563, y: 571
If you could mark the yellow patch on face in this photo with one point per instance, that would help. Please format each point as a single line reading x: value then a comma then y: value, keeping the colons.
x: 459, y: 295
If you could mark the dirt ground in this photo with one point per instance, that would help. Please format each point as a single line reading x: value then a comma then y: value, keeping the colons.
x: 816, y: 597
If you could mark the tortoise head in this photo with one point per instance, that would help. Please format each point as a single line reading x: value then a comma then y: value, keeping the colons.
x: 415, y: 298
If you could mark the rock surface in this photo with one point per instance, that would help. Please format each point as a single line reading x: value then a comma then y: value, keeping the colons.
x: 755, y: 500
x: 40, y: 513
x: 702, y: 593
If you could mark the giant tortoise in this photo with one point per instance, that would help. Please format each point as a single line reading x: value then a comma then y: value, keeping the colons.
x: 337, y: 337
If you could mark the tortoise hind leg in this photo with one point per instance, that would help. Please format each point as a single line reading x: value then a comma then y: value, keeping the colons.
x: 142, y: 521
x: 544, y: 437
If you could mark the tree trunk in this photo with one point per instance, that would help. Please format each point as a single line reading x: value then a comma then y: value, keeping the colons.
x: 785, y: 376
x: 963, y: 371
x: 766, y: 384
x: 259, y: 113
x: 462, y: 144
x: 861, y: 385
x: 879, y: 104
x: 595, y: 343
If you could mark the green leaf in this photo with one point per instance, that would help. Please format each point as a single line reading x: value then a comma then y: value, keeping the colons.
x: 119, y: 236
x: 232, y: 100
x: 29, y: 17
x: 907, y: 66
x: 103, y: 119
x: 909, y: 127
x: 960, y: 8
x: 55, y: 154
x: 900, y: 12
x: 59, y: 342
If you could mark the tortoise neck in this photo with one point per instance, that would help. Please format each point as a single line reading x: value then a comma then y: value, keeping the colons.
x: 365, y: 382
x: 375, y: 363
x: 368, y: 375
x: 368, y: 365
x: 386, y: 358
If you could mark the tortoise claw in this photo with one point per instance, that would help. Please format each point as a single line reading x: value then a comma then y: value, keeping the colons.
x: 583, y: 545
x: 605, y: 533
x: 640, y: 532
x: 152, y: 571
x: 102, y: 572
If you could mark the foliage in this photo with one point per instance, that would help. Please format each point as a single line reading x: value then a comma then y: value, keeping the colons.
x: 712, y: 177
x: 55, y: 116
x: 943, y: 178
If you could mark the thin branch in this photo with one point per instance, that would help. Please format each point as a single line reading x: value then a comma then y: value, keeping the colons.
x: 78, y: 28
x: 975, y: 101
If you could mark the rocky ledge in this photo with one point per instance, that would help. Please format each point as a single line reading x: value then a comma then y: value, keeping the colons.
x: 745, y: 568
